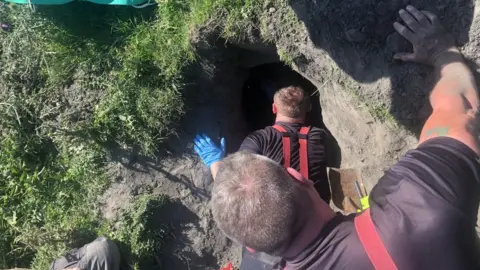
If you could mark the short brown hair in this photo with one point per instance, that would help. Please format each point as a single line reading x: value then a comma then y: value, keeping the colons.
x: 292, y: 101
x: 256, y: 203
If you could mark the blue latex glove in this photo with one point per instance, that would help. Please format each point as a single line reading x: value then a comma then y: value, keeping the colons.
x: 208, y: 151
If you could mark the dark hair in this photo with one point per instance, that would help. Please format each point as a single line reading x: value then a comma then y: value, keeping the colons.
x: 255, y: 202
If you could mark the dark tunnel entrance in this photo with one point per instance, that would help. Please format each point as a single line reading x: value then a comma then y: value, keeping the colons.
x: 257, y: 99
x: 258, y: 91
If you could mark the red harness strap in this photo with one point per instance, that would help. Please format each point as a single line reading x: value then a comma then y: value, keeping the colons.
x: 303, y: 152
x: 373, y: 245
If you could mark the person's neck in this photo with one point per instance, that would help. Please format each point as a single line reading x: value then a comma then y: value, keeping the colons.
x: 311, y: 229
x: 286, y: 119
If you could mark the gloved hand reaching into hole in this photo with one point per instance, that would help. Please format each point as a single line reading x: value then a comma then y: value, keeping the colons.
x: 208, y: 151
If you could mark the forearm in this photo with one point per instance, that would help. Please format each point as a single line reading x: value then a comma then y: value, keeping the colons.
x: 454, y: 101
x: 214, y: 169
x: 456, y: 80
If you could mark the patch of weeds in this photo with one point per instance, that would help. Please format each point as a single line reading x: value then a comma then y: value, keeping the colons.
x: 261, y: 21
x: 382, y: 113
x: 49, y: 182
x: 242, y: 22
x: 45, y: 195
x: 286, y: 57
x: 145, y: 101
x: 139, y: 236
x: 78, y: 77
x: 281, y: 26
x: 84, y: 36
x: 378, y: 111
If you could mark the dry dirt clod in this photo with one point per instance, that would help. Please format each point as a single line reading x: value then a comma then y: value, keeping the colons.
x: 382, y: 8
x: 395, y: 5
x: 355, y: 35
x: 397, y: 43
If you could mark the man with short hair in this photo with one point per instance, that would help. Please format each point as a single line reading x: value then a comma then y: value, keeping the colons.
x: 269, y: 208
x: 290, y: 141
x: 422, y: 212
x: 291, y: 104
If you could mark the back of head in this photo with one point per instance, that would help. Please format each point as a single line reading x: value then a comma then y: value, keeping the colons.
x: 292, y: 101
x: 255, y: 202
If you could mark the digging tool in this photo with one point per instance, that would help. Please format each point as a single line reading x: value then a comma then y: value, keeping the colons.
x: 357, y: 188
x: 364, y: 203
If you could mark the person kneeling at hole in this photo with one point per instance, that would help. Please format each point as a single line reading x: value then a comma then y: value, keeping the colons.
x: 289, y: 142
x: 423, y: 211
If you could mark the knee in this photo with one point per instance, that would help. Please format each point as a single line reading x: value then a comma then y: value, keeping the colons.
x: 104, y: 249
x: 103, y: 245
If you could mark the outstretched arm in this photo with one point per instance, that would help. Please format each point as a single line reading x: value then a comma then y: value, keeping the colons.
x: 209, y: 152
x: 454, y: 99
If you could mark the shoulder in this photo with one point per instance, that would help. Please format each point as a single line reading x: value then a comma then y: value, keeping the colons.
x: 317, y: 132
x: 441, y: 170
x: 254, y: 141
x: 337, y: 245
x: 262, y: 133
x: 437, y: 183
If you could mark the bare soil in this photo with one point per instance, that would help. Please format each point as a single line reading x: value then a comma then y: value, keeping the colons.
x: 196, y: 242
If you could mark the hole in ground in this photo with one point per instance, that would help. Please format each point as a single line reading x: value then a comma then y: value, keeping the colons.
x: 257, y: 99
x: 258, y: 91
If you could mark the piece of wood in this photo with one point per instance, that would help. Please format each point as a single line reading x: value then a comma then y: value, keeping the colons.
x: 349, y: 206
x: 342, y: 183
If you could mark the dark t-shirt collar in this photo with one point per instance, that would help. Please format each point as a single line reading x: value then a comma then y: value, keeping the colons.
x: 291, y: 125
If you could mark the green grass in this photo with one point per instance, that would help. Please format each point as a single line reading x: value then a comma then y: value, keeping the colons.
x: 139, y: 235
x: 77, y: 81
x: 136, y: 233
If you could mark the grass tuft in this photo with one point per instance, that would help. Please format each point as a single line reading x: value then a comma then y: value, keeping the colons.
x: 139, y: 236
x: 79, y: 79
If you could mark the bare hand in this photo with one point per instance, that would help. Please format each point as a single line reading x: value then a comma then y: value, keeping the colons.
x: 429, y: 38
